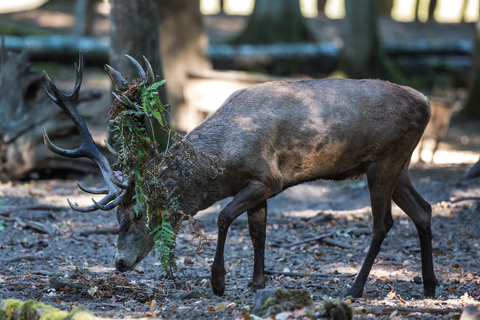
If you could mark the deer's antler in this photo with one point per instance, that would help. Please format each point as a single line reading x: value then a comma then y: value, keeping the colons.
x: 115, y: 192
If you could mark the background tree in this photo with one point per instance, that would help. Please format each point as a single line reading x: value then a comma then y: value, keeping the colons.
x: 463, y: 13
x: 431, y: 10
x: 184, y: 45
x: 84, y: 17
x: 471, y: 109
x: 321, y: 6
x: 134, y: 31
x: 417, y: 7
x: 222, y: 6
x: 362, y: 55
x: 385, y: 7
x: 275, y: 21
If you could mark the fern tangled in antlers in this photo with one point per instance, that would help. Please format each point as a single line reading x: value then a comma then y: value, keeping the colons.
x: 140, y: 158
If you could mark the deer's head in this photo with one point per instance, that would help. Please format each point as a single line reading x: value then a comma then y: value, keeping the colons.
x: 135, y: 240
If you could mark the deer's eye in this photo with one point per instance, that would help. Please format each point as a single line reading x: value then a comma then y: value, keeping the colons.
x: 138, y: 216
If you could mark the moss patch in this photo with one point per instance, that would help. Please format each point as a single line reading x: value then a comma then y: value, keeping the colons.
x: 31, y: 309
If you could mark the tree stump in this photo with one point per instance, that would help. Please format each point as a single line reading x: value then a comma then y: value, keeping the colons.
x: 24, y: 110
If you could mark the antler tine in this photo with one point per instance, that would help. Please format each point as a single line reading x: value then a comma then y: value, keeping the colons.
x: 87, y: 148
x: 150, y: 74
x: 75, y: 153
x: 119, y: 82
x: 78, y: 76
x: 141, y: 72
x: 110, y: 148
x: 92, y: 191
x: 112, y: 204
x: 118, y: 98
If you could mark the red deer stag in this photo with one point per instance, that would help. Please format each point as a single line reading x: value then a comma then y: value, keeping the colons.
x: 270, y: 137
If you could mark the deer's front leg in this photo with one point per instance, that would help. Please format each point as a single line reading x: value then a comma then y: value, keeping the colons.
x: 257, y: 227
x: 252, y: 194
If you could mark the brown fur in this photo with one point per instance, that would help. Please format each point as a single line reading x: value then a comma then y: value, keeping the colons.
x: 272, y: 136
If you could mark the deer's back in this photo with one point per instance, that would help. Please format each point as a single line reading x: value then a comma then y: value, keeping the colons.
x: 315, y: 129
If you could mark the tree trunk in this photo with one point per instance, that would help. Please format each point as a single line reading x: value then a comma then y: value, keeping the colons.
x: 386, y: 7
x: 321, y: 6
x: 431, y: 10
x: 222, y: 6
x: 362, y: 54
x: 24, y: 110
x: 417, y: 6
x: 275, y: 21
x: 471, y: 111
x: 463, y: 13
x: 184, y: 47
x: 84, y: 17
x: 134, y: 31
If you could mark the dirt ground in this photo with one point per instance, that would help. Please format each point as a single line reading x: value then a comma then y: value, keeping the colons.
x: 299, y: 213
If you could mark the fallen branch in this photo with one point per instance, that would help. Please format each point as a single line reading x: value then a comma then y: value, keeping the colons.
x: 34, y: 207
x: 454, y: 200
x: 23, y: 258
x: 114, y: 230
x: 58, y: 284
x: 43, y: 273
x: 326, y: 235
x: 295, y: 274
x: 336, y: 243
x: 401, y: 310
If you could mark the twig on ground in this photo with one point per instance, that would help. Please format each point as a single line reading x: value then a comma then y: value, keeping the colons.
x: 22, y: 258
x: 34, y: 207
x: 295, y: 274
x: 58, y: 284
x: 402, y: 310
x: 43, y: 273
x: 114, y: 230
x: 326, y: 235
x: 454, y: 200
x: 332, y: 242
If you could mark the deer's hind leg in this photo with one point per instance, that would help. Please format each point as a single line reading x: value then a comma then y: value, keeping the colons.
x: 408, y: 199
x: 257, y: 227
x: 381, y: 183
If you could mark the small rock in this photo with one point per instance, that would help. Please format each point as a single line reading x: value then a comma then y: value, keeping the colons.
x: 471, y: 313
x: 274, y: 301
x: 417, y: 280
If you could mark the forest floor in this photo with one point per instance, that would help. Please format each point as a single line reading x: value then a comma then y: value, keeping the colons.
x: 42, y: 246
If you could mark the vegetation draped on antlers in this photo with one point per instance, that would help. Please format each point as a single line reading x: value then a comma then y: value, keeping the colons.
x: 137, y: 154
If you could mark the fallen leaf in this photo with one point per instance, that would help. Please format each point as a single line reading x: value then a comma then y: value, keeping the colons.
x: 454, y: 265
x: 210, y: 308
x: 153, y: 305
x: 453, y: 291
x: 92, y: 291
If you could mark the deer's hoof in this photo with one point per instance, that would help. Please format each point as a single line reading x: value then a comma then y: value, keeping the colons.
x: 257, y: 286
x: 218, y: 290
x: 218, y: 280
x: 429, y: 293
x: 355, y: 293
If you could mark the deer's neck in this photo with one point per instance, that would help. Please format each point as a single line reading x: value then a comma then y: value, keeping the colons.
x: 197, y: 177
